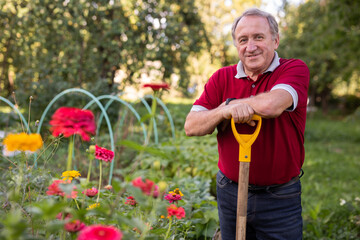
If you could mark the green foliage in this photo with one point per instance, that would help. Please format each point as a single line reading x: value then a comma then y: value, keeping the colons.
x: 331, y: 206
x: 325, y: 35
x: 330, y: 187
x: 52, y: 45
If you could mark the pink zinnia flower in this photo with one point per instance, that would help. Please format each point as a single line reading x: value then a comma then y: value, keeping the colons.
x: 103, y: 154
x: 54, y: 189
x: 72, y: 226
x: 148, y: 187
x: 172, y: 197
x: 178, y: 212
x: 60, y: 216
x: 157, y: 86
x: 100, y: 232
x: 91, y: 192
x: 69, y: 121
x: 131, y: 201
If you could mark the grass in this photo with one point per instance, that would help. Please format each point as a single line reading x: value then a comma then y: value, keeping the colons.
x: 331, y: 181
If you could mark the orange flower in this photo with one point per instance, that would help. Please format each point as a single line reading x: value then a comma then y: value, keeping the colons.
x: 23, y: 142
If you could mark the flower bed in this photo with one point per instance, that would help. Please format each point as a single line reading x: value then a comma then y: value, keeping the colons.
x: 140, y: 203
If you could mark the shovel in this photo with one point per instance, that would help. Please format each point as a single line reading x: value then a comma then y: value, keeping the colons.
x: 245, y: 141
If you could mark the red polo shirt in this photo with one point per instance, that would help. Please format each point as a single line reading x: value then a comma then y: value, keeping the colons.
x: 278, y: 153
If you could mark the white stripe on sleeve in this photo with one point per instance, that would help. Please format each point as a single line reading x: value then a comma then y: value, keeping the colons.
x: 198, y: 108
x: 292, y: 92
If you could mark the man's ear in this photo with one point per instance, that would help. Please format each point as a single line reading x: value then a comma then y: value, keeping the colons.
x: 277, y: 41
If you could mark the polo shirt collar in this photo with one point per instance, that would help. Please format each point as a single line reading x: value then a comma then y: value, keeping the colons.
x: 274, y: 64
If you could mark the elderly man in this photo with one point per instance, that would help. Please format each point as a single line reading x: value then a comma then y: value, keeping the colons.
x: 276, y: 89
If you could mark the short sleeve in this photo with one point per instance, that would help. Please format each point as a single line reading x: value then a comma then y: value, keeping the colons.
x: 294, y: 76
x: 212, y: 94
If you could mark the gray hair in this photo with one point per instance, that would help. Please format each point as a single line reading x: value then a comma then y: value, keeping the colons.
x: 274, y: 28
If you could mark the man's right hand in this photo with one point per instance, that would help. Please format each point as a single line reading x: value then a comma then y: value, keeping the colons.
x: 240, y: 111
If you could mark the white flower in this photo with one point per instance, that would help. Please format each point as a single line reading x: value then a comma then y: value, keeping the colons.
x: 7, y: 153
x: 342, y: 202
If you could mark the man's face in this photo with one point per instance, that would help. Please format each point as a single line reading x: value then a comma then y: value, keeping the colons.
x: 255, y: 44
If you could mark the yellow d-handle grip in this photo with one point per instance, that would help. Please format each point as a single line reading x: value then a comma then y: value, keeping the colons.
x: 246, y: 140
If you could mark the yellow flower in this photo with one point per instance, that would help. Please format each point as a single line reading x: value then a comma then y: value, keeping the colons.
x: 92, y: 206
x: 70, y: 175
x: 23, y: 142
x: 177, y: 192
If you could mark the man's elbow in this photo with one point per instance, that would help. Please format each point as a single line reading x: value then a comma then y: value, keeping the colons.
x: 188, y: 130
x: 270, y: 110
x: 191, y: 131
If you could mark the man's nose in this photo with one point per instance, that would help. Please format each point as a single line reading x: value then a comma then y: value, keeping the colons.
x: 251, y: 46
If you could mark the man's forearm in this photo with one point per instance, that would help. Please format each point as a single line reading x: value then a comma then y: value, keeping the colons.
x: 203, y: 122
x: 268, y: 105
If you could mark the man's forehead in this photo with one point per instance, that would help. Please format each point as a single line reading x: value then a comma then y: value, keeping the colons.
x: 251, y: 23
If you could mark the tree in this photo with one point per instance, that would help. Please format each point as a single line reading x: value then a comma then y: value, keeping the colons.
x: 325, y: 34
x: 51, y: 45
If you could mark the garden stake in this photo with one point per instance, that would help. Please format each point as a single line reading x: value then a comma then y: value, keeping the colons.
x: 245, y: 141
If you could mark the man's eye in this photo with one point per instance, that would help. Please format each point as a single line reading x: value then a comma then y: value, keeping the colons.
x: 242, y: 40
x: 259, y: 37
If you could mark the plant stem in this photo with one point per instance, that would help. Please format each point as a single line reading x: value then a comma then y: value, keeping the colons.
x: 153, y: 112
x: 70, y: 152
x: 77, y: 205
x: 168, y: 231
x: 100, y: 166
x: 27, y: 130
x: 89, y: 171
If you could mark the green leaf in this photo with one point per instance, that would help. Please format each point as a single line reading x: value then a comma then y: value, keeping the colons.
x: 142, y: 148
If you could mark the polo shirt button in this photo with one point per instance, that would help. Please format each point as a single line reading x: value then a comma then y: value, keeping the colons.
x: 253, y: 85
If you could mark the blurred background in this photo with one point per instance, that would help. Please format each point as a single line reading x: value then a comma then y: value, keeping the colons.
x: 111, y: 46
x: 114, y: 47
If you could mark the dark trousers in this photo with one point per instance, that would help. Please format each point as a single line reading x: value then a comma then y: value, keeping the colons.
x: 271, y: 214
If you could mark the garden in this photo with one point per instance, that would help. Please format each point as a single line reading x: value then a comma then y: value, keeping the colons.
x: 72, y: 175
x: 93, y: 100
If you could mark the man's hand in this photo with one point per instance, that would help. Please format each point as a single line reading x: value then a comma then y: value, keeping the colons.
x: 240, y: 111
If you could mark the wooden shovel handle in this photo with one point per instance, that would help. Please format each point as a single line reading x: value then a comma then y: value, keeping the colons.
x: 245, y: 141
x: 241, y: 214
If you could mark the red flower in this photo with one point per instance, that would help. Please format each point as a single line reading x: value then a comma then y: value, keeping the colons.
x: 157, y: 86
x: 74, y: 226
x: 103, y: 154
x: 54, y: 189
x: 60, y: 215
x: 100, y: 232
x: 173, y: 210
x: 91, y: 192
x: 131, y: 201
x: 70, y: 121
x: 148, y: 187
